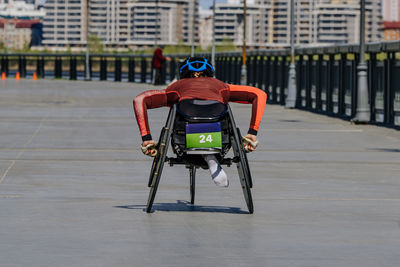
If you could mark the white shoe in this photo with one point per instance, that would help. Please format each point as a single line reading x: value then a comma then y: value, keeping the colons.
x: 217, y: 173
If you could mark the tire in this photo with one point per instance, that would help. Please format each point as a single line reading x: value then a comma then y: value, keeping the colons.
x: 245, y: 186
x: 192, y: 171
x: 156, y: 172
x: 243, y: 169
x: 246, y: 166
x: 159, y: 160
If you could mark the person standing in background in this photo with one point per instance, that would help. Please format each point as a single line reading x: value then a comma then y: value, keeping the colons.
x: 157, y: 63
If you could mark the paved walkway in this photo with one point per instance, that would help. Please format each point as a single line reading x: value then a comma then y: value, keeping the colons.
x: 73, y: 188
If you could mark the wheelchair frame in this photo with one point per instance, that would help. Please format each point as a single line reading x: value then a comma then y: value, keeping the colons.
x: 239, y: 158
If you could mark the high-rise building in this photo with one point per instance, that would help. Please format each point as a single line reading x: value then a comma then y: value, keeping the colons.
x: 108, y: 19
x: 64, y: 23
x: 338, y: 21
x: 121, y: 22
x: 391, y: 20
x: 19, y: 22
x: 391, y: 10
x: 229, y: 24
x: 167, y: 22
x: 316, y: 22
x: 170, y: 22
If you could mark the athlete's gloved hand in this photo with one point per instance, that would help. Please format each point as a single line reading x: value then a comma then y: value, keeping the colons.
x: 149, y: 148
x: 249, y: 142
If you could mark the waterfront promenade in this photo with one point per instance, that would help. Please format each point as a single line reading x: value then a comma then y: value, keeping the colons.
x: 73, y: 186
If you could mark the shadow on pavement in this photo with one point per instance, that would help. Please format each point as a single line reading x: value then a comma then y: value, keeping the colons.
x: 186, y: 206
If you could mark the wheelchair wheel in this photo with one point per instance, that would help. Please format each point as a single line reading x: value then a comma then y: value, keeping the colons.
x: 159, y: 160
x: 245, y: 163
x: 244, y: 178
x: 241, y: 164
x: 192, y: 171
x: 159, y: 164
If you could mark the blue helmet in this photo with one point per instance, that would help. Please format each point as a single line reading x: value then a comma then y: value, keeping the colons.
x: 195, y: 64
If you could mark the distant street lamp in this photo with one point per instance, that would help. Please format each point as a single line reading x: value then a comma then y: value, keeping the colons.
x: 363, y: 109
x: 244, y: 67
x: 193, y: 27
x: 213, y: 37
x: 156, y: 27
x: 292, y: 87
x: 87, y: 71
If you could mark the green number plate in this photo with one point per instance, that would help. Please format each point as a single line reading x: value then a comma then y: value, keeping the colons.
x: 204, y: 140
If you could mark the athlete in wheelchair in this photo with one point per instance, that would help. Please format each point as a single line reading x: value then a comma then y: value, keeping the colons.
x: 200, y: 126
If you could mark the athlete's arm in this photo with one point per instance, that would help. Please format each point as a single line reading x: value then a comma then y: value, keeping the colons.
x: 143, y: 102
x: 250, y: 95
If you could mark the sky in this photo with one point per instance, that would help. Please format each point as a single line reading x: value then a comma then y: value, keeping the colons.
x: 206, y: 4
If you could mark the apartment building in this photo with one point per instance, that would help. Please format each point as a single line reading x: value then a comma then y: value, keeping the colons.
x: 64, y: 23
x: 17, y: 19
x: 121, y: 22
x: 316, y: 22
x: 391, y: 10
x: 338, y: 21
x: 108, y: 19
x: 167, y: 22
x: 16, y: 33
x: 391, y: 20
x: 229, y: 23
x: 205, y: 32
x: 135, y: 23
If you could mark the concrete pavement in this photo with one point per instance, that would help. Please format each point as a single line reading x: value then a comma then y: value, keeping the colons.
x: 73, y: 186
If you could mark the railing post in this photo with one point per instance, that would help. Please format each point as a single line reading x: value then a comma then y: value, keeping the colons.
x: 395, y: 90
x: 224, y: 68
x: 172, y: 69
x: 143, y: 69
x: 117, y: 69
x: 309, y: 85
x: 251, y: 73
x: 282, y: 80
x: 273, y: 76
x: 228, y: 68
x: 264, y: 77
x: 22, y: 66
x: 72, y: 68
x: 318, y: 89
x: 341, y: 104
x: 238, y: 71
x: 103, y: 68
x: 4, y: 65
x: 163, y: 73
x: 299, y: 71
x: 58, y: 67
x: 232, y: 68
x: 329, y: 84
x: 389, y: 118
x: 39, y: 67
x: 131, y: 71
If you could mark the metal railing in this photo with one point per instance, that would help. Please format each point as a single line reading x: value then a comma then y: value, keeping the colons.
x: 326, y: 76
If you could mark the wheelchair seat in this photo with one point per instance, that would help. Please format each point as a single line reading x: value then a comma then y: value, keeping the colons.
x: 201, y: 110
x: 194, y: 113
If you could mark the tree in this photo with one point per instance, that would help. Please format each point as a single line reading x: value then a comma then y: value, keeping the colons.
x: 95, y: 44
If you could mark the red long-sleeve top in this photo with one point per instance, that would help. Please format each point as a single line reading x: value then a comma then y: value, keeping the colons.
x: 202, y: 88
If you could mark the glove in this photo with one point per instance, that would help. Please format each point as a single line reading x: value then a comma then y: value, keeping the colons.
x: 247, y: 143
x: 151, y: 148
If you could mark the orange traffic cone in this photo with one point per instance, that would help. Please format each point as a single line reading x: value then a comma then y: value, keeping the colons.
x: 3, y: 75
x: 17, y: 76
x: 34, y: 76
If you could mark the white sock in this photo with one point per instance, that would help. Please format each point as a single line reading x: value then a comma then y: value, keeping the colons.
x: 217, y: 173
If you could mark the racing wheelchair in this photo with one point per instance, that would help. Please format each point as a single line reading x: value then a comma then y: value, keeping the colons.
x: 195, y: 128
